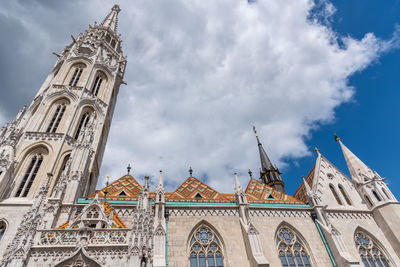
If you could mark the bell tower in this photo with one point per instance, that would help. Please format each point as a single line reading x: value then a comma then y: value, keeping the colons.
x: 63, y: 132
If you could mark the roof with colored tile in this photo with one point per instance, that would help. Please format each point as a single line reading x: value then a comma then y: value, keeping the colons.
x: 258, y: 192
x: 125, y: 188
x: 195, y: 190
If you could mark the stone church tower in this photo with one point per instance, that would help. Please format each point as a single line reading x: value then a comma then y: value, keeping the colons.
x: 51, y: 215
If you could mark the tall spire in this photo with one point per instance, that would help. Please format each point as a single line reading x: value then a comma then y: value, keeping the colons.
x: 265, y: 161
x: 111, y: 21
x: 269, y: 174
x: 358, y: 170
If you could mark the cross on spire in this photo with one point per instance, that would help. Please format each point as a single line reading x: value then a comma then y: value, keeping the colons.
x: 129, y: 168
x: 190, y: 171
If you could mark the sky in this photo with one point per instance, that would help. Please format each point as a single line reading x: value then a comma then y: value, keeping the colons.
x: 201, y: 73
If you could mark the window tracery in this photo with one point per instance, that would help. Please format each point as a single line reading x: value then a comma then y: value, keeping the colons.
x: 291, y: 250
x: 97, y: 84
x: 55, y: 121
x: 82, y: 123
x: 205, y: 249
x: 76, y: 76
x: 30, y: 175
x: 371, y: 255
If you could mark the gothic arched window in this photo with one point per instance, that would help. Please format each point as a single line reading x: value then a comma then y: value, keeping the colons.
x: 29, y: 175
x: 335, y: 194
x: 3, y: 227
x: 97, y: 84
x: 55, y: 121
x: 205, y: 249
x: 346, y: 197
x: 76, y: 76
x: 376, y: 195
x: 371, y: 255
x: 291, y: 249
x: 368, y: 200
x: 82, y: 123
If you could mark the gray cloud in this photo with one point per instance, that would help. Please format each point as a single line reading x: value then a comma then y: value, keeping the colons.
x: 200, y: 74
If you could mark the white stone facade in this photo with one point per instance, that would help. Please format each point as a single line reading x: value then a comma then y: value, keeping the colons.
x: 51, y: 153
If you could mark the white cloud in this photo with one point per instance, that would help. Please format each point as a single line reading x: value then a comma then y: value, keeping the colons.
x: 201, y: 73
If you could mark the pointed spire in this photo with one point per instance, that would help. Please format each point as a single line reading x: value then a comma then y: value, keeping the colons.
x: 358, y: 170
x: 269, y: 174
x: 265, y: 161
x: 238, y: 187
x: 160, y: 180
x: 146, y: 183
x: 306, y: 185
x: 111, y: 21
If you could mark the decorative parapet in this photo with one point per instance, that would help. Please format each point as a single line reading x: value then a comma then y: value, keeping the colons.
x: 43, y: 136
x: 72, y: 237
x: 61, y: 86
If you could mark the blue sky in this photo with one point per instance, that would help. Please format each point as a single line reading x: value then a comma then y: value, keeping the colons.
x: 201, y: 73
x: 369, y: 124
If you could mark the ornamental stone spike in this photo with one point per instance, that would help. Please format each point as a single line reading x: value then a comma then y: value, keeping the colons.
x: 111, y: 21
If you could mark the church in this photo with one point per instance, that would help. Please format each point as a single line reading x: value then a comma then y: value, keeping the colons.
x: 52, y: 215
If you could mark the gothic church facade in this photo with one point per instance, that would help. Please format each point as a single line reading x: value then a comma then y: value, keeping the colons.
x: 51, y: 215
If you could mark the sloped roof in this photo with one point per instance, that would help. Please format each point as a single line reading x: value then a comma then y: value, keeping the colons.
x: 258, y: 192
x: 125, y: 188
x: 195, y: 190
x: 116, y: 221
x: 301, y: 193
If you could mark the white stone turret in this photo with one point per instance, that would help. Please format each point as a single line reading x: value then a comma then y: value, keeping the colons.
x: 250, y: 233
x: 369, y: 183
x: 159, y: 253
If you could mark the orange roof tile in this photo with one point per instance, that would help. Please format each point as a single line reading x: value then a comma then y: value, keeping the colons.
x: 195, y: 190
x: 125, y: 188
x: 258, y: 192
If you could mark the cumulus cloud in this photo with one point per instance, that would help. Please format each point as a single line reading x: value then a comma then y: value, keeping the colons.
x: 201, y: 73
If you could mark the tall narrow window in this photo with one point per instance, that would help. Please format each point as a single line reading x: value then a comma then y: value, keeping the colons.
x: 97, y: 84
x: 55, y: 121
x: 368, y: 200
x: 29, y: 176
x: 205, y: 249
x: 291, y: 250
x: 82, y: 123
x: 335, y: 194
x: 2, y: 229
x: 75, y: 77
x: 376, y: 195
x: 371, y: 255
x: 386, y: 194
x: 344, y: 194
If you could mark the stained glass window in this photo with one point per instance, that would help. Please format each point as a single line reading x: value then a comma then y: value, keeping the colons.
x: 371, y: 255
x: 205, y: 249
x: 291, y: 250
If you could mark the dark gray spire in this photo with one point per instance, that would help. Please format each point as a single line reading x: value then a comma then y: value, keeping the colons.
x: 269, y: 174
x: 265, y: 161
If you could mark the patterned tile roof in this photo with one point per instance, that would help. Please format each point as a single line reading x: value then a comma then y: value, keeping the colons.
x: 258, y: 192
x: 195, y: 190
x: 125, y: 188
